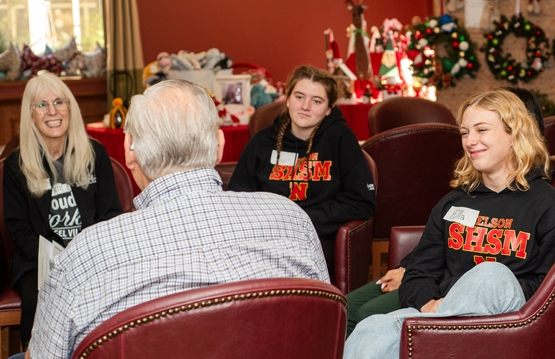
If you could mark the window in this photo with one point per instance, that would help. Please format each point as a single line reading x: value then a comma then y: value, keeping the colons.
x: 39, y: 23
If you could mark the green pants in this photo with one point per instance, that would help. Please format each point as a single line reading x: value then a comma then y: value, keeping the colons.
x: 369, y: 300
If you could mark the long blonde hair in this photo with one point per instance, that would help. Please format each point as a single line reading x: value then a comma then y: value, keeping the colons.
x: 78, y: 155
x: 529, y: 149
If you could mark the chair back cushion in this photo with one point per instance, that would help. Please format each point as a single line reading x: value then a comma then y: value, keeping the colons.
x: 402, y: 241
x: 415, y: 164
x: 264, y: 116
x: 262, y: 318
x: 402, y: 111
x: 123, y: 186
x: 12, y: 144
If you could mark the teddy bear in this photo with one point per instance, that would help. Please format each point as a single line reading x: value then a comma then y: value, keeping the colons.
x: 157, y: 71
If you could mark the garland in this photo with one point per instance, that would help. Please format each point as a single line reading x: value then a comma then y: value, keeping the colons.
x: 504, y: 67
x: 461, y: 52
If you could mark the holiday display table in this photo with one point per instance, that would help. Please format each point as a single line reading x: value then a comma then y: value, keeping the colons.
x: 356, y: 116
x: 236, y: 137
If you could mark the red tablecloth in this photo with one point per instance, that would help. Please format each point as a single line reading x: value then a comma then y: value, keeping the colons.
x: 357, y: 118
x: 236, y: 137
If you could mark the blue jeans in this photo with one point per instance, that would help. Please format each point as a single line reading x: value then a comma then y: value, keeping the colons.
x: 487, y: 289
x: 18, y: 356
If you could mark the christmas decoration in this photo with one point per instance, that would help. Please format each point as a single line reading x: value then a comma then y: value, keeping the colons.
x: 504, y: 67
x: 441, y: 71
x: 117, y: 113
x: 548, y: 107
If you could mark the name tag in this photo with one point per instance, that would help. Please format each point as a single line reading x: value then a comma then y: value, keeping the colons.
x: 285, y: 158
x: 462, y: 215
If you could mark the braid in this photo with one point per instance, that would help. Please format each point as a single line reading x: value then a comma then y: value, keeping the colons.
x: 310, y: 139
x: 283, y: 124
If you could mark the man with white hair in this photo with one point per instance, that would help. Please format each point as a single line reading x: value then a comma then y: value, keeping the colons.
x: 186, y: 232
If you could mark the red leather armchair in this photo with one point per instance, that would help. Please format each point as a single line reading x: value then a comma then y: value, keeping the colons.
x: 415, y: 164
x: 524, y: 334
x: 262, y: 318
x: 123, y: 186
x: 402, y: 241
x: 527, y: 333
x: 401, y: 111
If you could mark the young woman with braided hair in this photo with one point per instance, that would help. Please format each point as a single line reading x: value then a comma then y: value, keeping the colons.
x: 311, y: 156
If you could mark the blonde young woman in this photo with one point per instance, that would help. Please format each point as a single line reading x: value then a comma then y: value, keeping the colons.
x: 56, y: 184
x: 489, y: 243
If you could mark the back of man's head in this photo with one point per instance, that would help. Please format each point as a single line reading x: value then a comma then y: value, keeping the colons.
x: 173, y: 127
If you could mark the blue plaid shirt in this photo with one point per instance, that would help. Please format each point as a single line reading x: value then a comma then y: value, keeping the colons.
x: 186, y: 233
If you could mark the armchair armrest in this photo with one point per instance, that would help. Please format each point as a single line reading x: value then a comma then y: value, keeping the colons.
x: 353, y: 245
x: 526, y: 333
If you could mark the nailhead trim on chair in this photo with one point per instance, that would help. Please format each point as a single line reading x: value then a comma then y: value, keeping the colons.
x: 208, y: 303
x: 474, y: 327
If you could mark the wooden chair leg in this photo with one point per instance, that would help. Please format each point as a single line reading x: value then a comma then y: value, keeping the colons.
x: 378, y: 248
x: 14, y: 341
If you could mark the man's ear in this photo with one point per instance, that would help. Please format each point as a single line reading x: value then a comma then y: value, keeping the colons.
x: 221, y: 144
x: 130, y: 158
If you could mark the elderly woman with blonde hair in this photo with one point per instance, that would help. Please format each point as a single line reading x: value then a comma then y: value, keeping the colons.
x: 56, y: 184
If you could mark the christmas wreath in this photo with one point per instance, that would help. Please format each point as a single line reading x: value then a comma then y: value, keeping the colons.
x: 461, y: 52
x: 504, y: 66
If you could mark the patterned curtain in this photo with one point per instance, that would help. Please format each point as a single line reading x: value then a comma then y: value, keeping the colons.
x: 124, y: 63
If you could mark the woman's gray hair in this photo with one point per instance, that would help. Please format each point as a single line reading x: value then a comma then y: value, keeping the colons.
x: 174, y: 127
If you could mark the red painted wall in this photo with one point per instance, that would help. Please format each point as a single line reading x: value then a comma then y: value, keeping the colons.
x: 278, y: 35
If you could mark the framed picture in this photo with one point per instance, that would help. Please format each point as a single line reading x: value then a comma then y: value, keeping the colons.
x: 234, y: 92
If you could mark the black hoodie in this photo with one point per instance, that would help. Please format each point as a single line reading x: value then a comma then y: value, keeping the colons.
x: 339, y: 187
x: 516, y: 228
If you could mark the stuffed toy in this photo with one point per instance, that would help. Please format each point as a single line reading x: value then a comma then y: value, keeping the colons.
x: 90, y: 65
x: 212, y: 58
x: 67, y: 52
x: 157, y: 71
x: 10, y: 62
x: 31, y: 64
x: 186, y: 60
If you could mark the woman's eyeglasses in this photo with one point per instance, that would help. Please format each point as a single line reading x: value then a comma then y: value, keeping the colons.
x: 42, y: 107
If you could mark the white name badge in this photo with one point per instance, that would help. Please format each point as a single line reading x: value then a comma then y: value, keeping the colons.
x: 285, y: 158
x: 462, y: 215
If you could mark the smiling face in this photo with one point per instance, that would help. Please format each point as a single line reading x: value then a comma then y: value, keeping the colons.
x: 308, y: 104
x: 53, y: 124
x: 488, y: 145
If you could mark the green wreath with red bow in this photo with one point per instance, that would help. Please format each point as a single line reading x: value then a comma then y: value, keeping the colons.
x: 461, y: 57
x: 504, y: 67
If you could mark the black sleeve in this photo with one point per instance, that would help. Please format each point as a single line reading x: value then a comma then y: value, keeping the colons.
x: 405, y: 261
x: 426, y: 266
x: 17, y: 214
